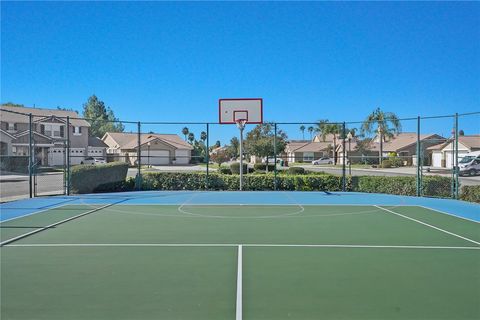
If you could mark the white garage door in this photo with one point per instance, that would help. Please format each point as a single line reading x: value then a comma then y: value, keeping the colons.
x: 182, y: 156
x: 56, y: 157
x: 437, y: 159
x: 157, y: 157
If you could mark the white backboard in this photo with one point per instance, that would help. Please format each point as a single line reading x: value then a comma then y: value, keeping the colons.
x: 232, y: 110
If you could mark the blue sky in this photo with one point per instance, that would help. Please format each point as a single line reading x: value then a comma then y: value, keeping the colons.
x: 309, y: 61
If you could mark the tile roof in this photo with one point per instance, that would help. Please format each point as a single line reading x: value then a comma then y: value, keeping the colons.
x: 130, y: 140
x: 96, y: 142
x: 38, y: 113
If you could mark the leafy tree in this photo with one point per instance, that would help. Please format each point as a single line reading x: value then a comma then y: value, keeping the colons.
x: 302, y: 129
x: 310, y: 130
x: 191, y: 137
x: 203, y: 136
x: 384, y: 124
x: 234, y: 147
x: 100, y: 117
x: 185, y: 132
x: 259, y: 141
x: 217, y: 144
x: 11, y: 104
x: 220, y: 156
x: 325, y: 128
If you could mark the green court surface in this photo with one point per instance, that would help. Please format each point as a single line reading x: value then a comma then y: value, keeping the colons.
x: 240, y: 262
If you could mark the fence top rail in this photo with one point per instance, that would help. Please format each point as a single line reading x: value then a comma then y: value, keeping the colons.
x: 272, y: 122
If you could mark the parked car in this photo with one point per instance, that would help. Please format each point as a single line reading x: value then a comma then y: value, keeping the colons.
x: 470, y: 164
x: 323, y: 160
x: 93, y: 161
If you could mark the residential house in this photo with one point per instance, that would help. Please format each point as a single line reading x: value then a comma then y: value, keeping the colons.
x: 442, y: 155
x: 403, y: 145
x: 358, y: 151
x: 306, y: 151
x: 49, y: 134
x: 155, y: 149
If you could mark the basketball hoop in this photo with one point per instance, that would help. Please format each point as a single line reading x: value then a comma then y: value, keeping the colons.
x: 241, y: 123
x: 240, y: 112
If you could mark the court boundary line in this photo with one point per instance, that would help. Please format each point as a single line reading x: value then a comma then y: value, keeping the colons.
x: 239, y: 305
x: 449, y: 214
x: 207, y: 245
x: 63, y: 204
x: 55, y: 224
x: 429, y: 225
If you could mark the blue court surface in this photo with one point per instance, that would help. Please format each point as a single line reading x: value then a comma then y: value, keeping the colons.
x: 461, y: 209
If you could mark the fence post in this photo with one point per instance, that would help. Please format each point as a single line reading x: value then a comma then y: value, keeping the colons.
x: 68, y: 155
x: 419, y: 173
x: 30, y: 156
x: 457, y: 187
x: 207, y: 155
x: 139, y: 157
x: 344, y: 173
x: 274, y: 157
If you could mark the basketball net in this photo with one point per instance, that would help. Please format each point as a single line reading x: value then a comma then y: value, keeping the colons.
x: 241, y: 123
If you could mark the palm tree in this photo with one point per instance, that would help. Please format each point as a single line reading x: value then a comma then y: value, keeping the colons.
x: 384, y: 124
x: 325, y: 128
x: 311, y: 129
x: 302, y: 128
x: 191, y: 137
x: 203, y: 136
x: 185, y: 132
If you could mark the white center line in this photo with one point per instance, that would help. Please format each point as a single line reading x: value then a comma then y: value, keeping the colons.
x: 429, y: 225
x: 239, y: 284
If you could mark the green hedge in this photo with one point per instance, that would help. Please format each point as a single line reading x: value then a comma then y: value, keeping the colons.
x: 296, y: 170
x: 225, y: 170
x: 433, y: 186
x: 14, y: 163
x: 197, y: 181
x: 470, y: 193
x: 87, y: 178
x: 263, y: 167
x: 235, y: 168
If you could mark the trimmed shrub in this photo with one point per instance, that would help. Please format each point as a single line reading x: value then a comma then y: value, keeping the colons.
x: 263, y: 167
x: 118, y: 186
x: 235, y: 168
x: 386, y: 164
x: 224, y: 170
x: 470, y: 193
x: 86, y: 178
x: 296, y: 170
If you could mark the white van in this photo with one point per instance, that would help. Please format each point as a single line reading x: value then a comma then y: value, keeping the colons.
x: 470, y: 164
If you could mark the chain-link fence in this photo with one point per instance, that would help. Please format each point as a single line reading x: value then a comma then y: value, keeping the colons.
x: 43, y: 152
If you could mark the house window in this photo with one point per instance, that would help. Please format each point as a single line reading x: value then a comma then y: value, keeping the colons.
x: 77, y: 130
x: 308, y: 156
x: 12, y: 127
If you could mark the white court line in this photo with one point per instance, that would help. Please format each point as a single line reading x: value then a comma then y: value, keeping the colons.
x: 239, y: 305
x: 53, y: 225
x: 63, y: 204
x: 430, y: 226
x: 450, y: 214
x: 361, y: 246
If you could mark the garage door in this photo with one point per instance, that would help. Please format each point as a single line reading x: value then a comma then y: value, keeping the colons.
x: 157, y: 157
x: 182, y: 156
x: 437, y: 160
